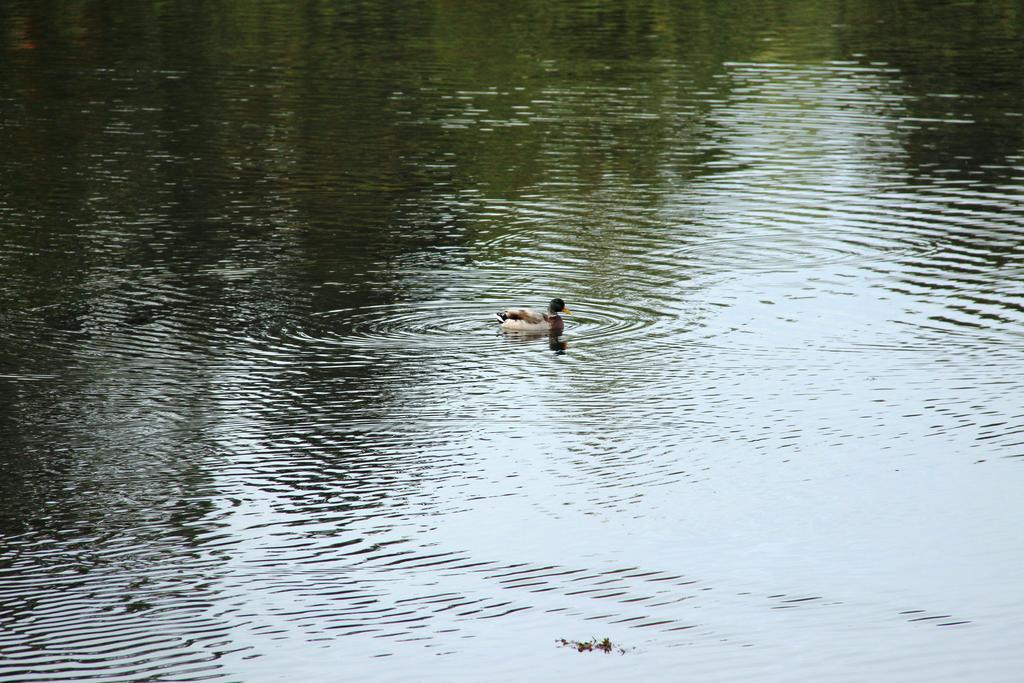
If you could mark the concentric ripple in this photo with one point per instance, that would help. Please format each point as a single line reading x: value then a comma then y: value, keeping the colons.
x: 447, y: 325
x: 413, y: 323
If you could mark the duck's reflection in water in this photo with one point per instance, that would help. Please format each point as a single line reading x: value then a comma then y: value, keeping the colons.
x: 556, y: 342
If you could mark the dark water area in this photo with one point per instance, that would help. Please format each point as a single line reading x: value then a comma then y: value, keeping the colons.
x: 258, y: 423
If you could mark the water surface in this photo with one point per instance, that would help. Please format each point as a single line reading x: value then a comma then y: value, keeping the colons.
x: 258, y: 422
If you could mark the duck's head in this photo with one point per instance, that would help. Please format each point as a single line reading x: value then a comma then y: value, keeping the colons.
x: 558, y: 306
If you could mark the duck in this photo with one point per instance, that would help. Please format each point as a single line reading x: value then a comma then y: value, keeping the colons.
x: 530, y: 320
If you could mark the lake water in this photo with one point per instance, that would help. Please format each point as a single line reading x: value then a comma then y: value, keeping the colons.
x: 257, y: 422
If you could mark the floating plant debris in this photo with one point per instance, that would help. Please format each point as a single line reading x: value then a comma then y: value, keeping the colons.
x: 605, y: 645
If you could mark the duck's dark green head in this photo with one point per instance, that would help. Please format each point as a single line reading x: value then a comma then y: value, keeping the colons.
x: 558, y: 306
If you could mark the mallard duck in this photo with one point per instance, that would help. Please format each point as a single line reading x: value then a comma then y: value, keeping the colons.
x: 529, y: 320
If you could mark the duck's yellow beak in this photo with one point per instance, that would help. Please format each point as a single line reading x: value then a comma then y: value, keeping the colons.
x: 566, y: 311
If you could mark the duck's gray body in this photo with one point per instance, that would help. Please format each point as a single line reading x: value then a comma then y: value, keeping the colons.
x: 530, y: 320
